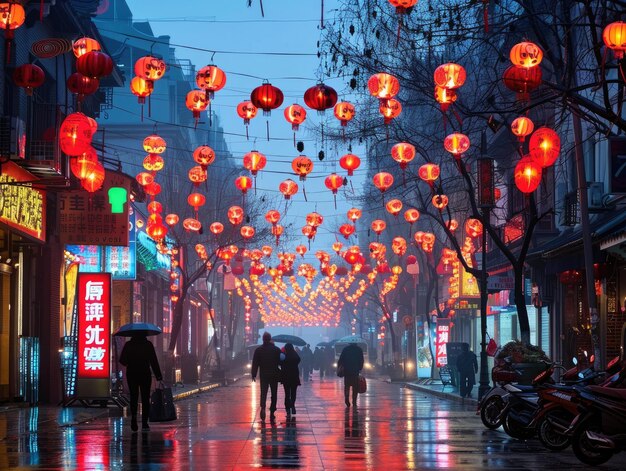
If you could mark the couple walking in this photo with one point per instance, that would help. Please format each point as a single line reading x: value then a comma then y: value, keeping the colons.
x: 276, y: 366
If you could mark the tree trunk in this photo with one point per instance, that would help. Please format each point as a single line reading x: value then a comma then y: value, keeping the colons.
x: 520, y: 304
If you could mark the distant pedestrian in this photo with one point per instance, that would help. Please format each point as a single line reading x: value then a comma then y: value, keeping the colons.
x: 318, y: 361
x: 138, y: 356
x: 290, y: 377
x: 467, y: 366
x: 307, y: 362
x: 329, y: 360
x: 266, y: 358
x: 351, y: 360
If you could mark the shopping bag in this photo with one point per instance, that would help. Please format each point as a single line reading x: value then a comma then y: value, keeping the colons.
x: 492, y: 347
x: 362, y: 384
x: 162, y: 404
x: 340, y: 371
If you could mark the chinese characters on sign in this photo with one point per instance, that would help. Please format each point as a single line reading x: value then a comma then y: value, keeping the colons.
x: 443, y: 337
x: 94, y: 325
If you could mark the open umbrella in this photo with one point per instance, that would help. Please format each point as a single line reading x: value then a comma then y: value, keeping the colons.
x: 323, y: 344
x: 284, y: 338
x: 138, y: 328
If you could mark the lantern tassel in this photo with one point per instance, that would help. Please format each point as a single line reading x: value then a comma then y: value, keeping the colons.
x: 294, y: 139
x: 41, y: 11
x: 321, y: 17
x: 263, y: 15
x: 142, y: 112
x: 149, y: 106
x: 247, y: 137
x: 335, y: 199
x: 399, y: 28
x: 267, y: 129
x: 304, y: 193
x: 486, y: 15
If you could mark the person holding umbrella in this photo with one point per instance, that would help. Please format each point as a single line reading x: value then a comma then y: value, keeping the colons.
x: 139, y: 356
x: 266, y: 358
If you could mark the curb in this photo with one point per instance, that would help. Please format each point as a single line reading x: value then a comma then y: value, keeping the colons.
x: 442, y: 394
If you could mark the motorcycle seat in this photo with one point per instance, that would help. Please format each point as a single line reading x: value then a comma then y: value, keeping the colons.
x: 609, y: 392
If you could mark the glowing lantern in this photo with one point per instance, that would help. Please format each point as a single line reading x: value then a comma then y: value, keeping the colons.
x: 378, y: 226
x: 210, y: 79
x: 153, y: 163
x: 267, y: 250
x: 272, y: 216
x: 522, y: 80
x: 403, y: 153
x: 411, y: 215
x: 154, y: 207
x: 544, y: 146
x: 295, y: 114
x: 28, y: 76
x: 288, y: 188
x: 383, y: 181
x: 235, y: 215
x: 440, y: 202
x: 309, y: 231
x: 277, y: 231
x: 349, y: 162
x: 526, y: 54
x: 418, y: 236
x: 428, y: 242
x: 527, y: 175
x: 12, y: 16
x: 84, y: 45
x: 196, y: 200
x: 614, y: 37
x: 522, y: 127
x: 154, y: 144
x: 398, y: 246
x: 445, y: 97
x: 301, y: 250
x: 94, y: 179
x: 394, y: 207
x: 452, y: 225
x: 204, y: 156
x: 191, y: 224
x: 247, y: 232
x: 143, y: 178
x: 450, y: 76
x: 141, y: 88
x: 157, y: 232
x: 390, y: 109
x: 429, y: 173
x: 302, y: 166
x: 473, y: 227
x: 333, y: 182
x: 254, y: 161
x: 216, y: 228
x: 352, y: 255
x: 196, y: 102
x: 152, y: 189
x: 197, y: 175
x: 243, y: 183
x: 94, y: 64
x: 267, y: 97
x: 82, y: 85
x: 354, y: 214
x: 314, y: 219
x: 344, y: 112
x: 150, y: 68
x: 337, y: 247
x: 246, y: 110
x: 82, y: 165
x: 347, y: 230
x: 457, y: 144
x: 402, y: 5
x: 383, y: 86
x: 320, y: 97
x: 171, y: 219
x: 75, y: 134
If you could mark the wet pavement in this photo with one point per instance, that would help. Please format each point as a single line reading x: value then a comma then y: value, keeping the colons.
x: 394, y: 428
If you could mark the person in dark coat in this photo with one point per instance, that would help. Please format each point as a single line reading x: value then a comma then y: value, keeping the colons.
x: 467, y: 366
x: 138, y: 356
x: 290, y: 376
x: 307, y: 362
x: 318, y: 361
x: 266, y: 358
x: 351, y: 360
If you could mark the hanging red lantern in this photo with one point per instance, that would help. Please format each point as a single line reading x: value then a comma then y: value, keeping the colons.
x: 452, y: 225
x: 246, y: 110
x: 301, y: 250
x: 204, y: 156
x: 346, y: 230
x: 394, y: 207
x: 333, y: 182
x: 429, y: 172
x: 75, y: 134
x: 171, y: 219
x: 82, y: 165
x: 243, y: 183
x: 84, y: 45
x: 314, y: 219
x: 150, y: 68
x: 309, y: 231
x: 211, y: 79
x: 82, y: 85
x: 277, y: 231
x: 320, y: 97
x: 12, y: 16
x: 445, y: 97
x: 378, y: 226
x: 398, y: 246
x: 235, y: 215
x: 570, y: 277
x: 344, y: 112
x: 403, y: 153
x: 196, y: 102
x: 349, y: 162
x: 94, y: 64
x: 154, y: 144
x: 411, y: 215
x: 192, y: 225
x: 197, y: 175
x: 354, y: 214
x: 302, y: 166
x: 544, y: 146
x: 526, y: 54
x: 383, y: 181
x: 390, y: 109
x: 153, y: 163
x: 522, y: 80
x: 94, y: 179
x: 254, y: 161
x: 216, y: 228
x: 267, y: 97
x: 522, y: 127
x: 527, y: 175
x: 157, y: 232
x: 196, y: 200
x: 272, y: 216
x: 247, y: 232
x: 154, y: 207
x: 457, y: 144
x: 295, y: 114
x: 403, y: 5
x: 288, y: 188
x: 28, y: 76
x: 440, y: 202
x: 143, y: 178
x: 383, y: 86
x: 152, y: 189
x: 614, y: 37
x: 450, y: 76
x: 473, y: 227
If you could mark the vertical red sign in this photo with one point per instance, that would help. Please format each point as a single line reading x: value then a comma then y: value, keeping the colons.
x: 443, y: 337
x: 94, y: 325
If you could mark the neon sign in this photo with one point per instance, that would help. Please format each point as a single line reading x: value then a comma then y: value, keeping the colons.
x: 443, y: 337
x: 94, y: 325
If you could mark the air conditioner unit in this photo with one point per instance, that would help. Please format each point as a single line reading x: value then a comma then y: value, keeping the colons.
x: 595, y: 194
x: 12, y: 138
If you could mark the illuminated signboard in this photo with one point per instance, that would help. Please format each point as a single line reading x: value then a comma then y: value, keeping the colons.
x: 88, y: 256
x: 94, y: 325
x: 121, y: 261
x: 443, y: 337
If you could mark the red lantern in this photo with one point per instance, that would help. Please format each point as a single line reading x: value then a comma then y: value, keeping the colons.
x: 457, y: 144
x: 411, y: 215
x: 210, y: 79
x: 344, y: 112
x: 296, y: 115
x: 216, y: 228
x: 314, y: 219
x: 526, y: 54
x: 346, y: 230
x: 450, y: 76
x: 153, y: 163
x: 246, y: 110
x: 12, y: 16
x: 440, y: 202
x: 82, y: 165
x: 354, y: 214
x: 254, y: 161
x: 243, y: 183
x: 84, y: 45
x: 383, y: 181
x: 288, y: 188
x: 267, y: 97
x: 403, y: 153
x: 522, y: 127
x: 349, y: 162
x: 570, y: 277
x: 522, y: 80
x: 154, y: 207
x: 473, y: 227
x: 247, y: 232
x: 402, y: 5
x: 272, y: 216
x: 614, y: 37
x: 28, y: 76
x: 191, y: 224
x: 398, y: 246
x: 527, y: 175
x: 302, y: 166
x: 378, y: 226
x: 82, y: 85
x: 333, y: 182
x: 320, y: 97
x: 197, y: 175
x: 157, y: 232
x: 383, y: 86
x: 196, y: 102
x: 171, y: 219
x: 143, y: 178
x: 154, y: 144
x: 235, y: 215
x: 309, y: 231
x: 152, y: 189
x: 445, y: 97
x: 150, y: 68
x: 429, y: 173
x: 544, y: 146
x: 94, y: 180
x: 277, y: 231
x: 390, y: 109
x: 94, y: 64
x: 204, y: 156
x: 301, y: 250
x: 75, y: 134
x: 394, y: 207
x: 196, y: 200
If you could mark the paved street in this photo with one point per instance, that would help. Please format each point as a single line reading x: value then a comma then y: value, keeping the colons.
x: 394, y: 428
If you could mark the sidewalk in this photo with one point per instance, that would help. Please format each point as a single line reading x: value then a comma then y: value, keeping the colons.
x: 436, y: 388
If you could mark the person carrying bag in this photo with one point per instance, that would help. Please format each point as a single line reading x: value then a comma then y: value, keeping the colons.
x: 162, y: 407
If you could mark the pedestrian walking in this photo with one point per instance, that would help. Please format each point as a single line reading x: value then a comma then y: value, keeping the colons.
x: 467, y: 366
x: 266, y: 358
x: 138, y: 356
x: 307, y: 362
x: 329, y: 355
x: 351, y: 362
x: 290, y: 377
x: 318, y: 361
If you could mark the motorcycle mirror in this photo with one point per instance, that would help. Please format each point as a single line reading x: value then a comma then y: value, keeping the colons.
x: 575, y: 360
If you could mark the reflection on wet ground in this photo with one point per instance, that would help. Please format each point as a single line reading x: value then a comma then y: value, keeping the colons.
x: 393, y: 428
